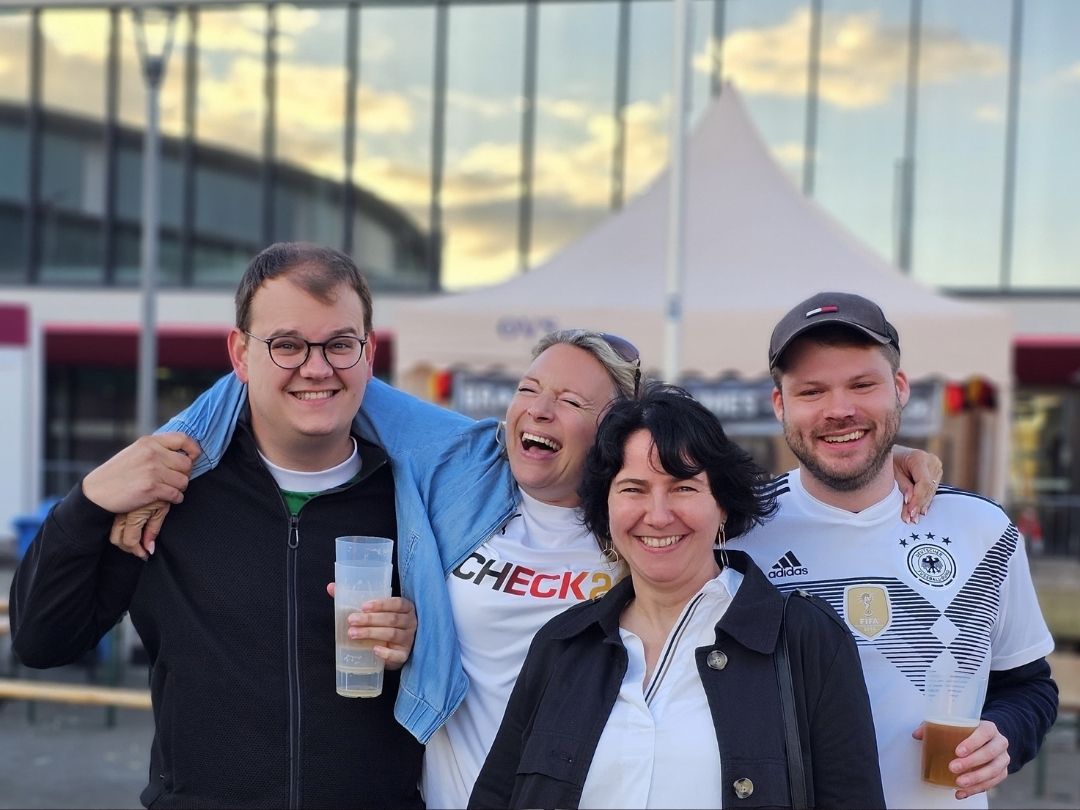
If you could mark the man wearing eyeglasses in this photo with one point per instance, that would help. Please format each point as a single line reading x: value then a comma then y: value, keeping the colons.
x: 232, y: 608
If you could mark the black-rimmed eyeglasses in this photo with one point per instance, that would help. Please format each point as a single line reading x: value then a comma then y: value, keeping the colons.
x: 627, y: 351
x: 291, y: 352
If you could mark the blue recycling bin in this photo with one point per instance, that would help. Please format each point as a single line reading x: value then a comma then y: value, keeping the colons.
x: 26, y: 526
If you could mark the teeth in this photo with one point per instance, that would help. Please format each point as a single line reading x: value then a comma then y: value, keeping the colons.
x: 660, y: 542
x: 847, y: 437
x: 305, y: 395
x: 541, y: 440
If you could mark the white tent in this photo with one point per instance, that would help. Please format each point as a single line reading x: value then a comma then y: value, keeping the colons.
x: 755, y: 246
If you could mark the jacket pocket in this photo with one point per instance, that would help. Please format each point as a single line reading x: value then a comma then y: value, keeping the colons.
x: 553, y: 755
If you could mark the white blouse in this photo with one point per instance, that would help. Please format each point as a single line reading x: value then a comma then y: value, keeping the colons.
x: 659, y: 746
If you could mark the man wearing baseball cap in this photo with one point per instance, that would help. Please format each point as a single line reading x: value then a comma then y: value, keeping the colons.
x: 954, y: 587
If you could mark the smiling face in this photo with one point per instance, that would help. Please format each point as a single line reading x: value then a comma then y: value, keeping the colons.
x: 551, y: 422
x: 840, y: 407
x: 663, y: 527
x: 302, y: 417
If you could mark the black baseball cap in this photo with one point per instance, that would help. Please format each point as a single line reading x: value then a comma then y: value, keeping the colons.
x: 846, y: 309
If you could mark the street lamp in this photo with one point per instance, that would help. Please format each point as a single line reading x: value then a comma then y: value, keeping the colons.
x: 153, y: 56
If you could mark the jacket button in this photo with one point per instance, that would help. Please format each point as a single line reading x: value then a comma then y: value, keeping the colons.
x: 743, y: 788
x: 717, y: 659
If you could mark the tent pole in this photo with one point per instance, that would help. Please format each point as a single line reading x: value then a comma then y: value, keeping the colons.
x: 676, y: 182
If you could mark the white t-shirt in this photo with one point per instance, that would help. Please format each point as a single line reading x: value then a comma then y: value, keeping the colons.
x: 956, y: 583
x: 659, y: 746
x: 542, y: 562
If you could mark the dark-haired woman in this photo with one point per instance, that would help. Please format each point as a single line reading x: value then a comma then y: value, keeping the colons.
x: 664, y: 693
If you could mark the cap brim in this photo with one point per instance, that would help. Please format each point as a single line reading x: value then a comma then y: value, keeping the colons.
x: 819, y: 321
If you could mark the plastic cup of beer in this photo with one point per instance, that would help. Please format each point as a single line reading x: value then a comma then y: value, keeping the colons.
x: 954, y: 700
x: 362, y: 570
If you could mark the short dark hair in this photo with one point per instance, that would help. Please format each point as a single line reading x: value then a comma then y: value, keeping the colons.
x: 837, y: 336
x: 689, y: 439
x: 315, y: 269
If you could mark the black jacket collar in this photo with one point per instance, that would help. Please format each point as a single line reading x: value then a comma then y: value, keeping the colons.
x: 752, y: 619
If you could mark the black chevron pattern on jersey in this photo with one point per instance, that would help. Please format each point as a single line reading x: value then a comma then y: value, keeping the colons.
x: 909, y: 643
x: 975, y: 608
x: 777, y: 486
x: 945, y: 489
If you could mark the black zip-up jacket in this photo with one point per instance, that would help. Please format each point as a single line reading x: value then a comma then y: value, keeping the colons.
x: 233, y: 612
x: 576, y: 665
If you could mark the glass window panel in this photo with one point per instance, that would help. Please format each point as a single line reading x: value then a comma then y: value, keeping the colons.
x: 311, y: 122
x: 765, y: 57
x: 221, y: 264
x: 648, y: 96
x: 12, y: 160
x: 483, y: 144
x: 960, y: 149
x: 860, y: 136
x: 308, y: 208
x: 575, y: 135
x: 1046, y: 240
x: 393, y: 138
x: 393, y: 102
x: 228, y: 215
x: 72, y: 203
x: 14, y: 45
x: 230, y: 108
x: 14, y: 90
x: 129, y: 211
x: 73, y: 160
x: 75, y: 45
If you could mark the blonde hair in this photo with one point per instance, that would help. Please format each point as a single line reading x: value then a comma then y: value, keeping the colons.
x: 625, y: 375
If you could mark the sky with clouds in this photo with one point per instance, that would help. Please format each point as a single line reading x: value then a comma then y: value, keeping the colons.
x: 963, y: 74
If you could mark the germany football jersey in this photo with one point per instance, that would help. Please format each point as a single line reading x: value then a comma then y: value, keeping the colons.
x: 956, y: 584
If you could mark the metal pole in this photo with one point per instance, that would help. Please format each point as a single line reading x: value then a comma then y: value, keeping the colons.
x: 907, y: 177
x: 1012, y: 125
x: 813, y: 71
x: 528, y: 137
x: 676, y: 176
x: 153, y: 70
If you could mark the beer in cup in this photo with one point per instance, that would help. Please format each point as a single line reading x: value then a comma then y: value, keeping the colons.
x: 954, y: 700
x: 361, y: 572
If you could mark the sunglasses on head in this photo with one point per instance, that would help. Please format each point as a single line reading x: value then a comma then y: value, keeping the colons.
x: 628, y: 352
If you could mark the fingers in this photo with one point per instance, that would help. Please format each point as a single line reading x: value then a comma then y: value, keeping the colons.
x: 180, y: 442
x: 922, y: 494
x: 982, y: 760
x: 982, y: 779
x: 392, y: 658
x: 392, y: 622
x: 153, y: 528
x: 144, y: 472
x: 118, y: 538
x: 136, y: 532
x: 917, y: 473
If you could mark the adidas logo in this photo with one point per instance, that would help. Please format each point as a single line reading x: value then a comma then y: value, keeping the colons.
x: 787, y: 566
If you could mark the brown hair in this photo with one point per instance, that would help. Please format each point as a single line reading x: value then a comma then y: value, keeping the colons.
x: 315, y: 269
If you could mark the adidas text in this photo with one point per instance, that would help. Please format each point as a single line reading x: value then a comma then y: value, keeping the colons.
x: 788, y: 572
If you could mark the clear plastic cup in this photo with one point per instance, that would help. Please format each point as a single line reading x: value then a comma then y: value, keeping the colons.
x: 362, y: 570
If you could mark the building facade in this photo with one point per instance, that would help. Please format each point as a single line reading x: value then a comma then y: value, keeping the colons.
x: 448, y: 144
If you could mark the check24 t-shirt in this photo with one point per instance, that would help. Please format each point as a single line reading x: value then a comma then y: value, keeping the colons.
x: 540, y: 563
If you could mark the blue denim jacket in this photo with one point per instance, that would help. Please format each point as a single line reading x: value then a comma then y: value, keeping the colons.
x: 453, y: 489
